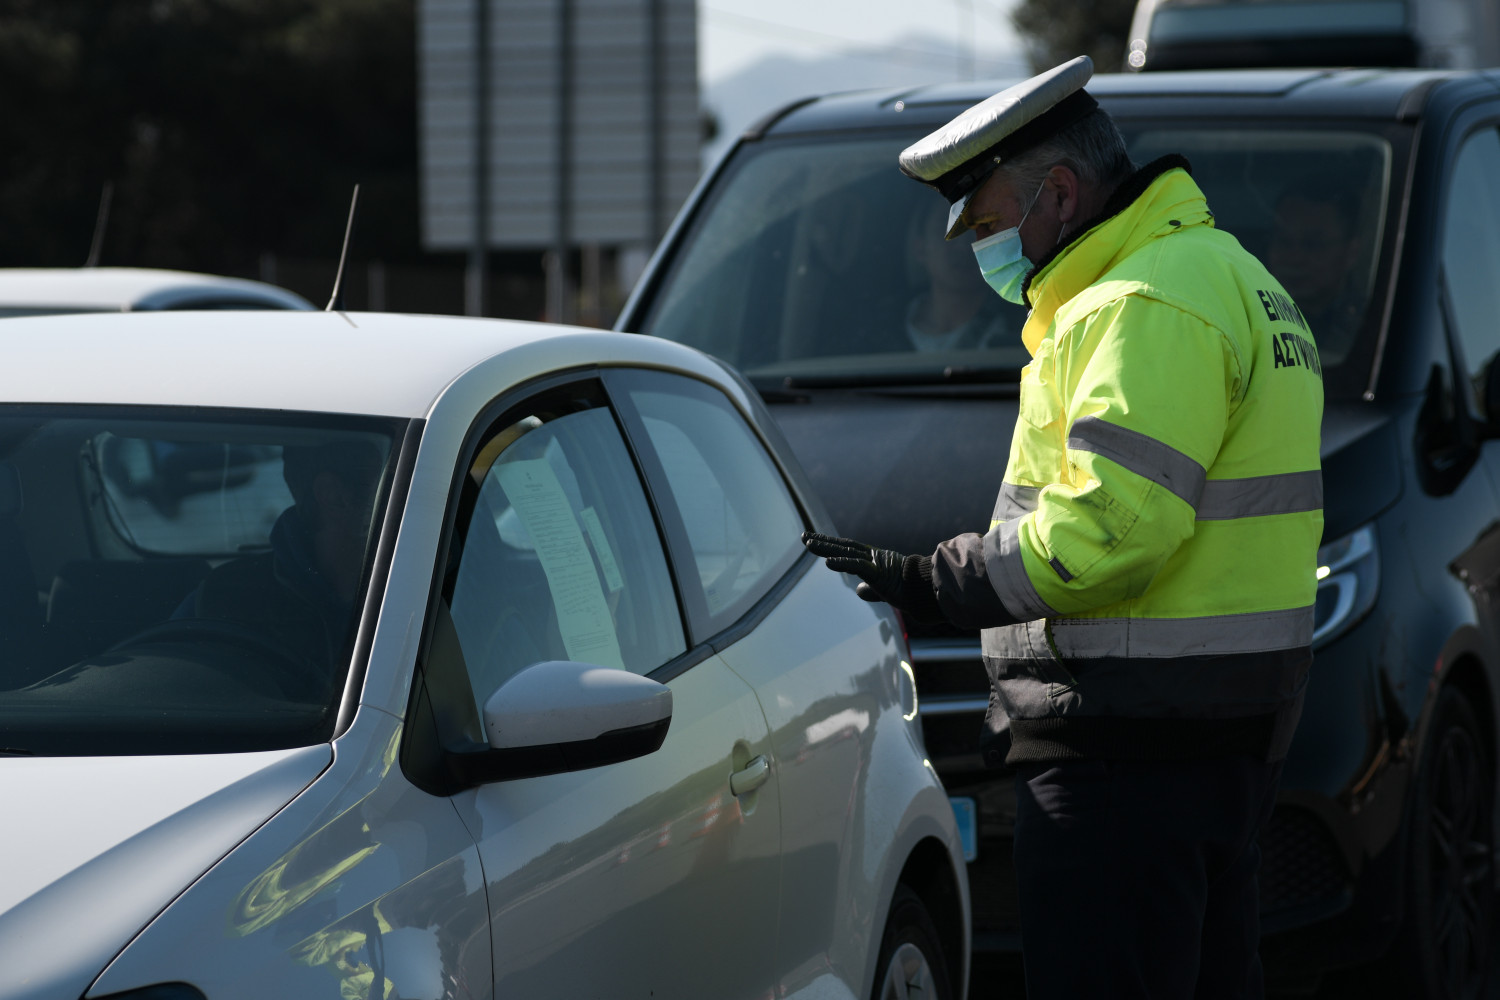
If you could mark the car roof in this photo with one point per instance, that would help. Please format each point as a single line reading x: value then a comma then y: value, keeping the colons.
x: 124, y: 289
x: 366, y: 363
x: 1394, y: 94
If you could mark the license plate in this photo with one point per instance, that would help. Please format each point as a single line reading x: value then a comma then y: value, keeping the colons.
x: 968, y: 825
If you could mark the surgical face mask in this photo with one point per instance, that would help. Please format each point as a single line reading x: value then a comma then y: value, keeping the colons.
x: 1001, y: 260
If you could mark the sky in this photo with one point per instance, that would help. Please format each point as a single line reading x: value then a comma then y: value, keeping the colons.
x: 758, y: 55
x: 733, y: 34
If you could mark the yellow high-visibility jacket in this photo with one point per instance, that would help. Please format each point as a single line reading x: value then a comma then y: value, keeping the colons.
x: 1156, y: 533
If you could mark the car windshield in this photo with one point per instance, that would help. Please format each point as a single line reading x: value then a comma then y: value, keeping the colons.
x: 817, y: 263
x: 181, y: 580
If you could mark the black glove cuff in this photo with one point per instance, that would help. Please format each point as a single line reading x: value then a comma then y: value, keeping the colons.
x: 919, y: 600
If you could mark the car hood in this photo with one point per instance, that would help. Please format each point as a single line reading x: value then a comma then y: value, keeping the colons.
x: 95, y: 847
x: 902, y: 472
x: 908, y: 472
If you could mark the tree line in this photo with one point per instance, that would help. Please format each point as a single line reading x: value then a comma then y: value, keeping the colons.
x: 228, y: 129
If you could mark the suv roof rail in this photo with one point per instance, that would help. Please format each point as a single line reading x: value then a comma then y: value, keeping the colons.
x: 1411, y: 105
x: 761, y: 127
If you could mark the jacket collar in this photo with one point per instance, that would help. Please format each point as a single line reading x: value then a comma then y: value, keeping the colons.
x: 1157, y: 199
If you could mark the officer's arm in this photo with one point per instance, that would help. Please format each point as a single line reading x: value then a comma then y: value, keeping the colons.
x: 1148, y: 388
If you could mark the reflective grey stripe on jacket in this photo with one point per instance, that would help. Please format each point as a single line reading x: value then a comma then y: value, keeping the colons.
x: 1145, y: 456
x: 1259, y: 496
x: 1208, y: 635
x: 1007, y: 573
x: 1015, y: 501
x: 1146, y: 668
x: 1218, y: 499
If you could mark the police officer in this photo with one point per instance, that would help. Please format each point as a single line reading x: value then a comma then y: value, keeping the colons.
x: 1145, y: 589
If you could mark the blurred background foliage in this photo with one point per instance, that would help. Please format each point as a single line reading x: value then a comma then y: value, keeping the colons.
x: 229, y: 128
x: 1056, y: 32
x: 233, y: 131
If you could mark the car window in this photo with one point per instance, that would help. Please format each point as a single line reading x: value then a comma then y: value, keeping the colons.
x: 181, y: 580
x: 1270, y: 189
x: 556, y: 557
x: 8, y: 312
x: 739, y: 518
x: 1220, y: 22
x: 206, y: 305
x: 814, y: 261
x: 820, y: 258
x: 1471, y: 252
x: 167, y: 497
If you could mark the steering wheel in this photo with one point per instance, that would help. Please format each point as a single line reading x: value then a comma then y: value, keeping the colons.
x: 292, y: 670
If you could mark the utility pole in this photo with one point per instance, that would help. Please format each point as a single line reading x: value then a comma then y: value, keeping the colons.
x: 558, y: 271
x: 476, y: 275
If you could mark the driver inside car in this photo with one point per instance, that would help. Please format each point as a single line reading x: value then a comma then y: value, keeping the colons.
x: 953, y: 309
x: 300, y: 593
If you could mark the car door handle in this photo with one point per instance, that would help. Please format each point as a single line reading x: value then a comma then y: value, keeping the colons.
x: 752, y: 777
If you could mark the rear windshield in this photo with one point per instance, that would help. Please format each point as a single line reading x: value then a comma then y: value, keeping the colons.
x: 817, y: 262
x: 1188, y: 22
x: 181, y: 581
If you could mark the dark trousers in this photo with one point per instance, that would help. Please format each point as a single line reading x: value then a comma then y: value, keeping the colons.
x: 1138, y: 878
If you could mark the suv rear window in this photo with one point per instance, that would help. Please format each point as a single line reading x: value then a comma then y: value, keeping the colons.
x: 815, y: 261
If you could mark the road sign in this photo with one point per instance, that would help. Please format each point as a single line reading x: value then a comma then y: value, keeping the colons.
x: 586, y: 113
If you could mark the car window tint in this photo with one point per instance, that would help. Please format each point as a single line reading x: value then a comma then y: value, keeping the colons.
x: 741, y: 522
x: 1471, y: 252
x: 813, y: 261
x: 820, y: 258
x: 190, y: 497
x: 559, y: 557
x: 182, y: 580
x: 1269, y: 189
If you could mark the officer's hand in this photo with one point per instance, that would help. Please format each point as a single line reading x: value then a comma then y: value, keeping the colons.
x: 880, y: 569
x: 888, y: 576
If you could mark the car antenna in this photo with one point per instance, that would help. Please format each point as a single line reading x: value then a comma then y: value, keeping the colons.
x: 336, y: 303
x: 100, y: 222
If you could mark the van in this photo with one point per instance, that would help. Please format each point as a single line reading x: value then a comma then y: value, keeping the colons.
x: 807, y: 260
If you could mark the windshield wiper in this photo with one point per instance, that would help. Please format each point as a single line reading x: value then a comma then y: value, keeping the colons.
x: 15, y: 752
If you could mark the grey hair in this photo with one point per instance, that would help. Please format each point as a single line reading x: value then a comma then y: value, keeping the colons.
x: 1091, y: 147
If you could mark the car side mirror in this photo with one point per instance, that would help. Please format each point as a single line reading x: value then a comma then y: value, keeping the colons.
x: 1447, y: 436
x: 559, y: 716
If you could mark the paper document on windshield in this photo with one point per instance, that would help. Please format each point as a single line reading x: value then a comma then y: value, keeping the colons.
x: 588, y: 630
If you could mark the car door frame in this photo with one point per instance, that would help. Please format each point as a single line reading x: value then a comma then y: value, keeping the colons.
x: 680, y: 549
x: 424, y: 760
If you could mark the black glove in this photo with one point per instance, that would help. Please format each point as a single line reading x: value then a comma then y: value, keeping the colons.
x: 903, y: 582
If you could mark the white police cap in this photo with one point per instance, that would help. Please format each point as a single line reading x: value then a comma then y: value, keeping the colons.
x: 960, y: 156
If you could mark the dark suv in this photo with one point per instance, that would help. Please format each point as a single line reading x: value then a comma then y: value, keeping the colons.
x: 806, y: 260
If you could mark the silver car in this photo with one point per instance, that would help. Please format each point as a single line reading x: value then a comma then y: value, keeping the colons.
x: 349, y: 655
x: 45, y: 291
